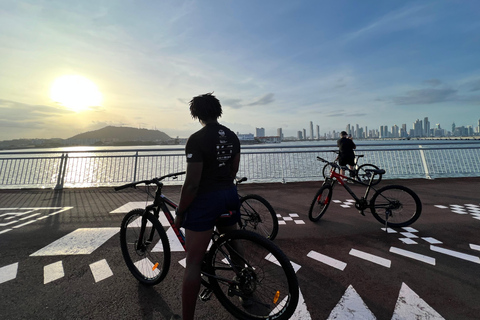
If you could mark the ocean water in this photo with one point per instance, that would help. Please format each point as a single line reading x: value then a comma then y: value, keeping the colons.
x: 285, y: 162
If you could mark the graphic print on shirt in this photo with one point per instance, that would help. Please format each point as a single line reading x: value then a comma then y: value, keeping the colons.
x: 224, y: 148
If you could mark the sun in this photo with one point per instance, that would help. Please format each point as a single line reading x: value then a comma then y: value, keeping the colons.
x: 75, y: 92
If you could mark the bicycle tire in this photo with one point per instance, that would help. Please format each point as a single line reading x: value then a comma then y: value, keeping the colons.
x: 257, y: 215
x: 326, y: 170
x: 364, y: 176
x: 402, y: 205
x: 265, y: 285
x: 320, y: 202
x: 150, y: 263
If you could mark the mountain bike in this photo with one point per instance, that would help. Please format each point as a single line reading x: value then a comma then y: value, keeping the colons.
x: 393, y: 205
x: 360, y: 173
x: 257, y: 214
x: 250, y: 276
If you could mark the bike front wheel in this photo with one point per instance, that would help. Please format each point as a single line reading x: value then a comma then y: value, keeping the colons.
x: 251, y: 277
x: 327, y: 169
x: 364, y: 176
x: 320, y: 202
x: 396, y: 206
x: 145, y: 247
x: 257, y: 215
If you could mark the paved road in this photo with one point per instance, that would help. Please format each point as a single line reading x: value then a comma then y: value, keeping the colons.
x: 60, y: 256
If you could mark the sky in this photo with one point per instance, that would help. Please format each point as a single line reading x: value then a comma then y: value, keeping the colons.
x: 272, y: 64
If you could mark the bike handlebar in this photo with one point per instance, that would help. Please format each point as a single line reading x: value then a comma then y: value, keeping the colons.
x: 147, y: 182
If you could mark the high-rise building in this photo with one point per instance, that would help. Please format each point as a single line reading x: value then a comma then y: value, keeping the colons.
x: 311, y: 130
x: 417, y: 128
x: 260, y: 132
x: 304, y: 134
x: 426, y: 127
x: 318, y: 132
x: 280, y: 133
x: 299, y: 135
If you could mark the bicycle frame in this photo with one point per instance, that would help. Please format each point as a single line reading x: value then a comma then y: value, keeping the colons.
x: 161, y: 202
x: 341, y: 180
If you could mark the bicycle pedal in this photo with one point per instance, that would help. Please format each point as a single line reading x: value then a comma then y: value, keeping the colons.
x: 205, y: 294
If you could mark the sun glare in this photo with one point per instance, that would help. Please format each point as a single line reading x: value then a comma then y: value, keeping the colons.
x: 75, y: 92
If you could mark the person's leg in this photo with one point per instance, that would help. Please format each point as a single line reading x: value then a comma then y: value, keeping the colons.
x: 196, y: 246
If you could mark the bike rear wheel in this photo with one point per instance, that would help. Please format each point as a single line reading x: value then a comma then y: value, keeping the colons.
x: 257, y: 215
x: 396, y: 206
x: 364, y: 176
x: 251, y: 277
x: 320, y: 202
x: 145, y: 247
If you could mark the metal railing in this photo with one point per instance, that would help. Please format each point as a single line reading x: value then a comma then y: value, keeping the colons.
x: 280, y: 163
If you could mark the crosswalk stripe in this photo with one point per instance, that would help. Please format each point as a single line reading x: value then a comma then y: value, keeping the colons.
x: 101, y: 270
x: 456, y: 254
x: 80, y: 241
x: 413, y: 255
x: 370, y: 257
x: 9, y: 272
x: 327, y: 260
x: 53, y: 272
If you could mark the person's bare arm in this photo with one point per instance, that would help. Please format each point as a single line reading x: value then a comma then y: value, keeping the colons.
x: 235, y: 165
x: 189, y: 189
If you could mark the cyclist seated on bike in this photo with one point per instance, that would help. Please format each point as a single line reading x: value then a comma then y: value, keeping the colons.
x: 346, y: 155
x: 213, y: 157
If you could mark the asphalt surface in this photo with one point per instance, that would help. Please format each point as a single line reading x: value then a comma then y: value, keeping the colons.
x: 443, y: 272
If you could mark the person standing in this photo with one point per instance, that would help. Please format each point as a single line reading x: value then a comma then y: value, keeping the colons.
x: 346, y: 155
x: 213, y: 157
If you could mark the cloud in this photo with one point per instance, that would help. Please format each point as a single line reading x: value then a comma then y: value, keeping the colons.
x: 426, y: 96
x: 238, y: 103
x: 473, y: 85
x: 433, y: 82
x: 18, y: 111
x: 266, y: 99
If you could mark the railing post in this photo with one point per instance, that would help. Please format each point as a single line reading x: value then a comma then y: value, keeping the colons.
x: 61, y: 172
x: 135, y: 167
x: 283, y: 166
x: 424, y: 162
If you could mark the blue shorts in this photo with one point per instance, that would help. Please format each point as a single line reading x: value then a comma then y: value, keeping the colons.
x: 204, y: 212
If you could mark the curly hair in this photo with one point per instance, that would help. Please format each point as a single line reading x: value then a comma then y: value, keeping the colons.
x: 205, y: 107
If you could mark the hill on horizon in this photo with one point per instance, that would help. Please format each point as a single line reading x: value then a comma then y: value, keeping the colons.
x: 124, y: 134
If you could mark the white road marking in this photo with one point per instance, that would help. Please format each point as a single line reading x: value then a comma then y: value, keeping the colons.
x: 127, y: 207
x: 6, y: 230
x: 175, y: 245
x: 409, y: 235
x: 53, y: 272
x: 345, y: 206
x: 301, y: 312
x: 9, y: 272
x: 299, y: 221
x: 410, y: 229
x: 460, y: 211
x: 413, y: 255
x: 282, y: 222
x: 432, y: 240
x: 456, y: 254
x: 327, y: 260
x: 80, y: 241
x: 410, y: 306
x: 440, y: 206
x: 474, y: 247
x: 370, y: 257
x: 408, y: 241
x: 294, y: 215
x: 101, y: 270
x: 351, y: 306
x: 389, y: 230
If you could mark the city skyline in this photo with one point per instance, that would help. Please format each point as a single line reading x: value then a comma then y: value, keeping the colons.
x: 420, y: 128
x: 68, y: 69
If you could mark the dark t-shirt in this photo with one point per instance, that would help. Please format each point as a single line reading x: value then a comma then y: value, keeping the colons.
x: 216, y: 146
x: 345, y: 148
